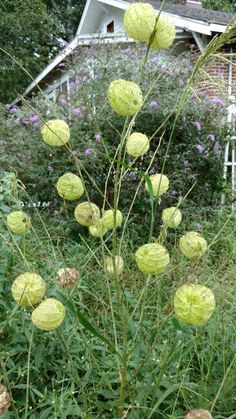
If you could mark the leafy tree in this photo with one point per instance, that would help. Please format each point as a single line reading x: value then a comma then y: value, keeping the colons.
x: 30, y: 33
x: 223, y: 5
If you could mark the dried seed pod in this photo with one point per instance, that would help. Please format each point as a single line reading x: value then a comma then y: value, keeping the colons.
x: 49, y: 315
x: 18, y: 222
x: 194, y: 304
x: 70, y: 187
x: 164, y: 33
x: 68, y: 277
x: 137, y: 144
x: 198, y: 414
x: 152, y: 258
x: 112, y: 270
x: 56, y: 132
x: 160, y: 184
x: 5, y: 400
x: 98, y: 229
x: 171, y: 217
x: 28, y: 289
x: 87, y: 213
x: 139, y: 21
x: 108, y: 218
x: 192, y: 245
x: 125, y: 97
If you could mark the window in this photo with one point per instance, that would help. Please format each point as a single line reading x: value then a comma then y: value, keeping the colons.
x: 110, y: 27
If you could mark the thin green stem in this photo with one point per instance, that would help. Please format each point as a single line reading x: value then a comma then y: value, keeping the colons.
x: 28, y: 374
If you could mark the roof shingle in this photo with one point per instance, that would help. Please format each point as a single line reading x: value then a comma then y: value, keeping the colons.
x: 198, y: 13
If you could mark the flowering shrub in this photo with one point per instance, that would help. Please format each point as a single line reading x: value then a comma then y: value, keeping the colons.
x: 198, y: 135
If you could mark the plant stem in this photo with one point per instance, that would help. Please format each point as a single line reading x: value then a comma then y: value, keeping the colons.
x: 28, y: 374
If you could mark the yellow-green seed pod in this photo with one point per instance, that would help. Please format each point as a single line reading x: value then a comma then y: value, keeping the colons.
x: 112, y: 270
x: 193, y: 245
x: 152, y: 258
x: 70, y: 187
x: 139, y: 21
x: 137, y: 144
x: 198, y: 414
x: 5, y: 400
x: 28, y: 289
x: 98, y: 229
x: 194, y: 304
x: 164, y: 33
x: 18, y: 222
x: 109, y: 221
x: 125, y: 97
x: 48, y: 315
x: 87, y: 213
x: 160, y: 184
x: 56, y: 132
x: 171, y: 217
x: 68, y: 277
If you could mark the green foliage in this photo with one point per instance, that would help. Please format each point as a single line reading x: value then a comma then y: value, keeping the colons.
x: 223, y: 5
x: 30, y: 32
x: 88, y: 113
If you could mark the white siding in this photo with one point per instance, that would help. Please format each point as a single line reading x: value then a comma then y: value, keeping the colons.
x: 112, y: 14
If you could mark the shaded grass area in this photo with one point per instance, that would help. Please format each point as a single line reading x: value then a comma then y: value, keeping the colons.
x: 172, y: 367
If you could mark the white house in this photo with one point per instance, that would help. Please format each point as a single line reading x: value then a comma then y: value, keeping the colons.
x: 102, y: 22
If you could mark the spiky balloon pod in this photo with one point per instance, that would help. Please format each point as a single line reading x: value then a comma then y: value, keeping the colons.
x: 18, y: 222
x: 139, y: 21
x: 198, y: 414
x: 159, y: 182
x: 87, y: 213
x: 28, y: 289
x: 110, y: 220
x: 68, y: 277
x: 98, y: 229
x: 56, y: 132
x: 125, y: 97
x: 5, y: 400
x: 171, y: 217
x: 194, y: 304
x: 49, y: 315
x: 70, y: 187
x: 137, y: 144
x: 152, y: 258
x: 114, y: 266
x: 164, y: 33
x: 193, y: 245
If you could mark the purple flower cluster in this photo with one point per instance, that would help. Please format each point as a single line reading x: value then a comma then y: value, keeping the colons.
x: 218, y: 102
x: 197, y: 125
x: 199, y: 148
x: 153, y: 104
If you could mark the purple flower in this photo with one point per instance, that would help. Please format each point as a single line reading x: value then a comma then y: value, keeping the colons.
x: 234, y: 115
x: 155, y: 59
x: 7, y: 106
x: 50, y: 169
x: 133, y: 174
x: 34, y: 119
x: 72, y: 86
x: 185, y: 163
x: 63, y: 102
x: 97, y: 137
x: 153, y: 104
x: 218, y: 148
x: 96, y: 77
x: 85, y: 79
x: 13, y: 111
x: 200, y: 148
x: 211, y: 137
x: 218, y: 102
x: 197, y: 124
x: 198, y: 226
x: 76, y: 112
x: 88, y: 152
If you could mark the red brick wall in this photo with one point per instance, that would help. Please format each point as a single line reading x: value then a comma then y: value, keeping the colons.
x: 217, y: 82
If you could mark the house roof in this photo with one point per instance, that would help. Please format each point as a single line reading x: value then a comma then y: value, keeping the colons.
x: 195, y: 20
x: 198, y: 13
